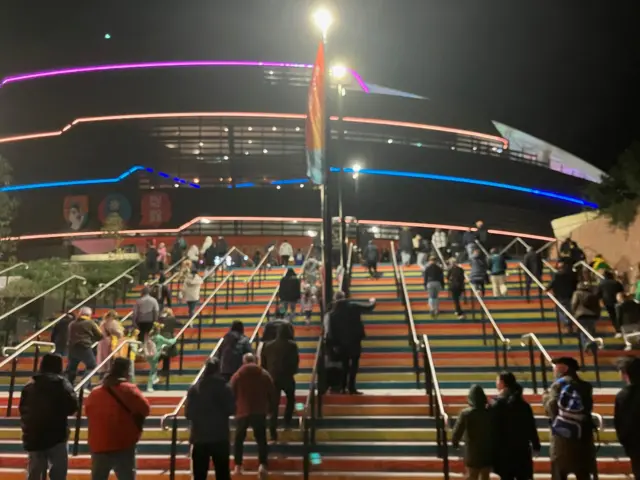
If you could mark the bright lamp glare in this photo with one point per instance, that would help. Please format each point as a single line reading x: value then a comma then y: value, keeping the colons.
x: 312, y: 233
x: 356, y: 168
x: 339, y: 72
x: 323, y: 19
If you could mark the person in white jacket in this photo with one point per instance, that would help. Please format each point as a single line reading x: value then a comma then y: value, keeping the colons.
x: 285, y: 252
x: 191, y: 291
x: 439, y: 240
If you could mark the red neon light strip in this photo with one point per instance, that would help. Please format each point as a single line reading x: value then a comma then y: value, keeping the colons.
x: 286, y: 116
x: 268, y: 219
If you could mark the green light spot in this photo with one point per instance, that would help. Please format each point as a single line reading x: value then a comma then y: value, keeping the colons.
x: 107, y: 36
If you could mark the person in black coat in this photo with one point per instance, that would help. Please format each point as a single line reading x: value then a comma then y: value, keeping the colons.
x: 533, y: 262
x: 627, y: 411
x: 515, y: 435
x: 345, y: 335
x: 151, y: 259
x: 563, y: 285
x: 455, y: 278
x: 608, y: 290
x: 45, y: 403
x: 289, y: 291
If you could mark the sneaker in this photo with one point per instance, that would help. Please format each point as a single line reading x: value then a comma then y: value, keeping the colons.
x: 263, y: 473
x: 355, y: 392
x: 150, y: 390
x: 618, y: 335
x: 461, y: 316
x: 238, y: 470
x: 156, y: 380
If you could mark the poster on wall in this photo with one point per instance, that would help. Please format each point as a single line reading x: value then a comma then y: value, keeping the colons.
x: 155, y: 209
x: 114, y: 209
x: 75, y: 209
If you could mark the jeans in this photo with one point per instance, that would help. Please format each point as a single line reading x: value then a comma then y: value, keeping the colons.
x: 613, y: 316
x: 350, y: 366
x: 406, y: 257
x: 498, y: 284
x: 285, y: 260
x: 290, y: 307
x: 433, y: 290
x: 456, y: 293
x: 589, y: 324
x: 218, y: 453
x: 373, y: 269
x: 191, y: 305
x: 80, y: 354
x: 122, y: 462
x: 258, y: 424
x: 566, y: 303
x: 54, y: 458
x: 289, y: 388
x: 420, y: 257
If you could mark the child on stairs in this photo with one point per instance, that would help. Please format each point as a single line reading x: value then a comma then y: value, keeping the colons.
x: 153, y: 351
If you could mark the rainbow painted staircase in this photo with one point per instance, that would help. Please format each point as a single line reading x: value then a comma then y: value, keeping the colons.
x: 387, y: 432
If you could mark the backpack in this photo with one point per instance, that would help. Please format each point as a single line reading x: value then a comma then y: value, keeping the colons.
x: 571, y: 412
x: 155, y: 291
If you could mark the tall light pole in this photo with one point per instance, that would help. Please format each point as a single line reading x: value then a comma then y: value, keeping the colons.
x: 323, y: 20
x: 339, y: 74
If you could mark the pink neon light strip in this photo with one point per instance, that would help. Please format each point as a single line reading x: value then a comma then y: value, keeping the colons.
x: 286, y: 116
x: 132, y: 66
x: 267, y: 219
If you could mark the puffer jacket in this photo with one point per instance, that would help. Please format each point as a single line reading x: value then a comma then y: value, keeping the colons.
x: 478, y: 268
x: 233, y: 348
x: 209, y: 405
x: 585, y: 303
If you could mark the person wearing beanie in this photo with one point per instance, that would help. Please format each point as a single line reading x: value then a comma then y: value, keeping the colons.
x: 569, y: 404
x: 45, y: 403
x: 234, y: 346
x: 627, y: 411
x: 83, y: 333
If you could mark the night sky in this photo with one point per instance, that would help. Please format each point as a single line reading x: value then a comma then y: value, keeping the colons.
x: 565, y: 71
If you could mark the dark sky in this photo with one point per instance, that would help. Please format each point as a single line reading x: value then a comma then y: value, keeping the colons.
x: 566, y: 71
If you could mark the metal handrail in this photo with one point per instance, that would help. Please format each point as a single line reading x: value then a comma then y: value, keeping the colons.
x: 79, y: 388
x: 412, y: 324
x: 167, y: 270
x: 484, y: 250
x: 589, y: 267
x: 436, y: 408
x: 312, y: 409
x: 436, y: 384
x: 13, y: 359
x: 43, y: 294
x: 549, y: 266
x: 176, y: 411
x: 12, y: 267
x: 36, y: 335
x: 596, y: 340
x: 262, y: 261
x: 122, y: 320
x: 547, y: 245
x: 534, y: 338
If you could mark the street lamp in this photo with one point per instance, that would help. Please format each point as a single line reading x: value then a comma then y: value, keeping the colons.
x: 323, y: 20
x: 338, y: 74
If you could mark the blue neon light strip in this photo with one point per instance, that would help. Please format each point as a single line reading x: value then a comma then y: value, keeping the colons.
x: 94, y: 181
x: 292, y: 181
x: 473, y: 181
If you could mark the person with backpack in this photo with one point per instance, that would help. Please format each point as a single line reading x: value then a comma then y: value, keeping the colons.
x: 455, y: 278
x: 515, y: 435
x: 234, y: 346
x: 569, y: 404
x: 474, y: 426
x: 627, y: 411
x: 586, y: 309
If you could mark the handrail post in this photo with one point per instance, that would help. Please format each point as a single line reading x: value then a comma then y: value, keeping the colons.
x: 596, y: 365
x: 181, y: 353
x: 495, y: 351
x: 305, y: 448
x: 416, y: 362
x: 233, y: 289
x: 445, y: 456
x: 36, y: 357
x: 76, y: 435
x: 534, y: 382
x: 581, y: 347
x: 174, y: 447
x: 543, y: 366
x: 505, y: 355
x: 473, y: 307
x: 559, y: 325
x: 484, y: 327
x: 64, y: 298
x: 312, y: 405
x: 520, y: 281
x: 12, y: 386
x: 541, y: 303
x: 226, y: 302
x: 199, y: 329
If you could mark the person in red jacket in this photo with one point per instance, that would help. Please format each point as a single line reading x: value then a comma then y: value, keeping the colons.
x: 115, y: 411
x: 254, y: 392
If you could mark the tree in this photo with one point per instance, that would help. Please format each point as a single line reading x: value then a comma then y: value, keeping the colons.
x: 8, y: 210
x: 618, y: 195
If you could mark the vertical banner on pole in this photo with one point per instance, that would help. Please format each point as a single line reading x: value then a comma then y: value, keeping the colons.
x: 316, y: 121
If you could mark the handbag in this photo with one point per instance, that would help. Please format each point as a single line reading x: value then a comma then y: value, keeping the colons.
x: 137, y: 418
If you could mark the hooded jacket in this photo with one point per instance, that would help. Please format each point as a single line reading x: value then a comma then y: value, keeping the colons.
x: 433, y: 273
x: 280, y: 357
x: 270, y: 331
x: 564, y: 283
x: 84, y: 332
x: 191, y: 288
x: 478, y: 268
x: 209, y: 405
x: 289, y: 290
x: 45, y: 403
x: 254, y: 391
x: 455, y: 277
x: 234, y: 346
x: 111, y: 427
x: 533, y: 262
x: 515, y: 434
x: 497, y: 264
x: 146, y: 310
x: 346, y: 330
x: 608, y: 289
x: 474, y: 426
x: 585, y: 303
